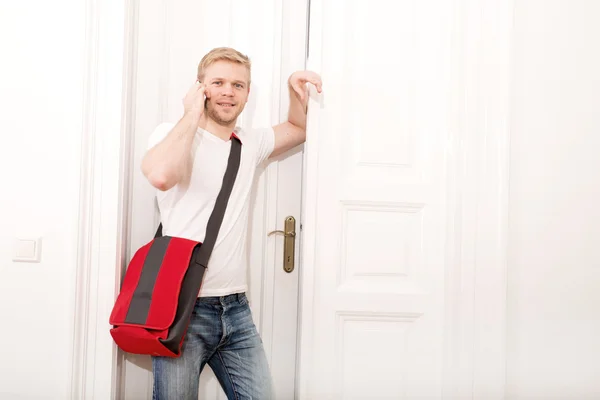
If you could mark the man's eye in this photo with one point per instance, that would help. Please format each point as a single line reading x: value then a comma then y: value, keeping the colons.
x: 216, y: 82
x: 239, y: 85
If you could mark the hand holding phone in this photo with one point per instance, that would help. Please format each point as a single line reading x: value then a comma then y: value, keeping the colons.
x: 194, y: 100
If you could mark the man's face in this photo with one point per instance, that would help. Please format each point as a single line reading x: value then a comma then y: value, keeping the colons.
x: 228, y: 90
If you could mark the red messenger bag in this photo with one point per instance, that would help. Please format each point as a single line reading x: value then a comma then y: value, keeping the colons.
x: 158, y: 293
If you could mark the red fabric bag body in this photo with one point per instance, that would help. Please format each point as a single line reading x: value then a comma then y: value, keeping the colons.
x: 162, y: 282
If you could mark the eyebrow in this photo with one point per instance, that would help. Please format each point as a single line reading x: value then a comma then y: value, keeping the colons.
x: 223, y: 79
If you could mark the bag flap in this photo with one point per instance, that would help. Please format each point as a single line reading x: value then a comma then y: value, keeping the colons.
x: 151, y: 286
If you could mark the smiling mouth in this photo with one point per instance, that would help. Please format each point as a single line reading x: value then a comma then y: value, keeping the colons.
x: 225, y: 105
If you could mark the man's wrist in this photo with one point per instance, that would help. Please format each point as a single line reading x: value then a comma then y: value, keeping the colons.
x: 191, y: 118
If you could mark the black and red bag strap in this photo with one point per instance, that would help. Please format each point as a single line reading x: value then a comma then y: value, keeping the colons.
x: 216, y: 217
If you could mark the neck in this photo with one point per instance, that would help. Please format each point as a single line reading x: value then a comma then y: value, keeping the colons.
x: 221, y: 131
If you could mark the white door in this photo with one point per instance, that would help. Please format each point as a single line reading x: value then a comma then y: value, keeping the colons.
x: 279, y: 324
x: 172, y: 38
x: 374, y: 208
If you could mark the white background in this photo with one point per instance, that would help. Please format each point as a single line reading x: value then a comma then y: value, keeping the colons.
x: 553, y: 263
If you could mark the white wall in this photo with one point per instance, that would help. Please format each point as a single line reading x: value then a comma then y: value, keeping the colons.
x: 553, y: 348
x: 40, y: 121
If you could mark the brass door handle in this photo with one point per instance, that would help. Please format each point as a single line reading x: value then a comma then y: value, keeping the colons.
x: 289, y: 243
x: 286, y: 234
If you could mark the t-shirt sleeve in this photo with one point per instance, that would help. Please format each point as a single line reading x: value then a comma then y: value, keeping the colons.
x: 159, y: 133
x: 265, y: 143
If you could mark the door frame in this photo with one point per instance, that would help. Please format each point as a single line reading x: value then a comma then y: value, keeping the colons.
x: 478, y: 164
x: 478, y: 168
x: 104, y: 193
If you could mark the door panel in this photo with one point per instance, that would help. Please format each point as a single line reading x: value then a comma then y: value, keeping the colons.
x: 375, y: 207
x: 288, y: 192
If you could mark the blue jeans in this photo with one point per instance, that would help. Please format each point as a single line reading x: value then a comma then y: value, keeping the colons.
x: 222, y: 334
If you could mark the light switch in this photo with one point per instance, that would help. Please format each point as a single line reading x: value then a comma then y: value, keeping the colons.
x: 28, y: 250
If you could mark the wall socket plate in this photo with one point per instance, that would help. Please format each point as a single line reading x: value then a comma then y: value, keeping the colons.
x: 27, y: 250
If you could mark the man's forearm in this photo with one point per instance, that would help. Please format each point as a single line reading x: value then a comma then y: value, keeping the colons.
x: 291, y: 133
x: 297, y: 110
x: 169, y: 162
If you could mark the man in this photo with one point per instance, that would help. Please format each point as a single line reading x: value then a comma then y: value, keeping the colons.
x: 186, y: 162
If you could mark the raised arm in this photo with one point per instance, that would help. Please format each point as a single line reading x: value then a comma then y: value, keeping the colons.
x: 293, y: 132
x: 170, y: 161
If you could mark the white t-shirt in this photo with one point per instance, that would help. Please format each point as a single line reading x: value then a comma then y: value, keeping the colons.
x: 185, y: 210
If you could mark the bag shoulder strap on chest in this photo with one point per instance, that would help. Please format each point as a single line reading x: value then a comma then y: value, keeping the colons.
x: 216, y: 217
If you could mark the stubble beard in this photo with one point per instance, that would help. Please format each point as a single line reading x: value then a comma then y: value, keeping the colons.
x: 214, y: 115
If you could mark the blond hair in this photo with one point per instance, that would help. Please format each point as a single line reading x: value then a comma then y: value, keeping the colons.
x: 223, y: 54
